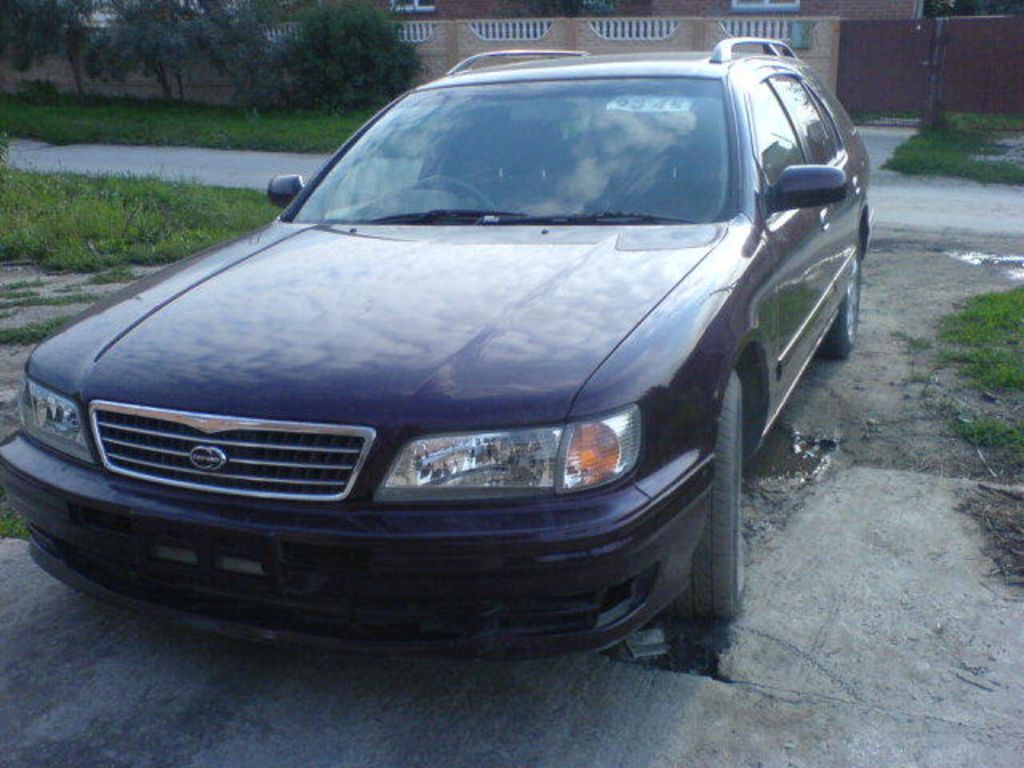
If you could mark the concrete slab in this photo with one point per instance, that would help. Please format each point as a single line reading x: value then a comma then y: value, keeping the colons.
x: 882, y: 141
x: 873, y: 636
x: 947, y: 205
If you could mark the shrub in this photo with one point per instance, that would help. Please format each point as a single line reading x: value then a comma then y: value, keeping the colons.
x: 39, y: 92
x: 35, y: 29
x: 157, y: 37
x: 348, y: 56
x: 240, y: 47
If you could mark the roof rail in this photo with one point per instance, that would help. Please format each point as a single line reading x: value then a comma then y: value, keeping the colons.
x: 723, y: 51
x: 465, y: 64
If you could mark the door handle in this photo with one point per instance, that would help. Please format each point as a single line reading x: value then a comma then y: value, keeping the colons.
x: 823, y: 216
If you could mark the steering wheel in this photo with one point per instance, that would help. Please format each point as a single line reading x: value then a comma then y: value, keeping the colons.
x: 437, y: 181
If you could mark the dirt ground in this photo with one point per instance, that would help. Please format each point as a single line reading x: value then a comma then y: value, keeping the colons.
x: 892, y: 406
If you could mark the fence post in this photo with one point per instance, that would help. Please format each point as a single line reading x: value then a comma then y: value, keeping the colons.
x: 453, y: 29
x: 934, y: 115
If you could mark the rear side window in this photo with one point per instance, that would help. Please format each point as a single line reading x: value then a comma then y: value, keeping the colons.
x: 777, y: 145
x: 813, y: 126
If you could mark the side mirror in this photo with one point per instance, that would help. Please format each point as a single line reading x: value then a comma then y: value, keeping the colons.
x: 807, y: 186
x: 282, y: 189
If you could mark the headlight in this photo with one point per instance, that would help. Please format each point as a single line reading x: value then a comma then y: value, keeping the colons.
x: 53, y: 419
x: 516, y: 462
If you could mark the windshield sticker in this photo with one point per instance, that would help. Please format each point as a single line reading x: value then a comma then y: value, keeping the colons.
x: 649, y: 104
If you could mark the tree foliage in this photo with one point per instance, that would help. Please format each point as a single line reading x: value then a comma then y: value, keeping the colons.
x: 35, y: 29
x: 240, y: 47
x: 160, y: 38
x: 571, y: 8
x: 347, y: 56
x: 973, y: 7
x: 343, y: 55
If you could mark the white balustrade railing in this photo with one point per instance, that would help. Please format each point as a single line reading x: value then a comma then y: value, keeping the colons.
x: 416, y: 32
x: 511, y: 30
x: 634, y: 30
x: 776, y: 29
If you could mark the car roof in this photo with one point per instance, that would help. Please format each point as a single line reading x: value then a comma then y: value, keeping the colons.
x: 694, y: 64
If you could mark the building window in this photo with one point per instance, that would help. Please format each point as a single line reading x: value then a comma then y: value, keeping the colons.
x: 765, y: 6
x: 411, y: 6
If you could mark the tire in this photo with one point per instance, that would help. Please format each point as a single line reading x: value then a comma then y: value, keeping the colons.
x: 842, y: 336
x: 716, y: 578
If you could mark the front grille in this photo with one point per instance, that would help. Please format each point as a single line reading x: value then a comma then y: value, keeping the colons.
x: 268, y: 459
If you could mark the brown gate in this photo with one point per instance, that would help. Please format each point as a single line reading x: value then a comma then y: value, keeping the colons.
x: 978, y: 63
x: 983, y: 66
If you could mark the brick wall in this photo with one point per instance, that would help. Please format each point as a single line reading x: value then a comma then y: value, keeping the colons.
x: 491, y: 9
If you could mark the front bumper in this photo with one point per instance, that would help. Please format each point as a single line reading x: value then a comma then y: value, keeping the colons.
x: 526, y: 579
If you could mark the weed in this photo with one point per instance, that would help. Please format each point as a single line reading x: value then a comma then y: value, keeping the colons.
x: 34, y: 332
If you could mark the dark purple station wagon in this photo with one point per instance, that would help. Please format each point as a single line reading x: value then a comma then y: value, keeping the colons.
x: 488, y: 384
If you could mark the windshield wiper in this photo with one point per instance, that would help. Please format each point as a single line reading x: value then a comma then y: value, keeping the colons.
x: 435, y: 215
x: 599, y: 217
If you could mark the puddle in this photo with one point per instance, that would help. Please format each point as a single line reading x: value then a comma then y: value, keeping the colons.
x: 789, y: 459
x: 1013, y: 264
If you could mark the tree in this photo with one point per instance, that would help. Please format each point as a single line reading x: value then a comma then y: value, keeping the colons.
x: 170, y: 40
x: 347, y: 56
x: 156, y: 37
x: 571, y: 8
x: 973, y: 7
x: 36, y: 29
x: 236, y: 40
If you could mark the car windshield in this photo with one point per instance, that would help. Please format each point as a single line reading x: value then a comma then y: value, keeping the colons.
x: 604, y: 151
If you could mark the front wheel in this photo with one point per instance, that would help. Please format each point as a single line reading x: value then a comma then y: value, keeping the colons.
x: 716, y: 578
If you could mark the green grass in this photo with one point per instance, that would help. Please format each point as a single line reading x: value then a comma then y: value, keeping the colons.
x: 993, y: 433
x: 950, y: 150
x: 21, y: 285
x: 76, y: 223
x: 996, y: 123
x: 986, y: 340
x: 113, y: 275
x: 123, y: 121
x: 11, y: 524
x: 34, y: 332
x: 12, y: 299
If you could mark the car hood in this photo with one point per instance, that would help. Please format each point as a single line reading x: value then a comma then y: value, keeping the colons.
x: 434, y: 326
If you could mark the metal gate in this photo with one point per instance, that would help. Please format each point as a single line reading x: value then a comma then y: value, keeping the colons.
x: 977, y: 65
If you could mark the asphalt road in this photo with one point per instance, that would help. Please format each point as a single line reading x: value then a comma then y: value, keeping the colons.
x: 899, y: 201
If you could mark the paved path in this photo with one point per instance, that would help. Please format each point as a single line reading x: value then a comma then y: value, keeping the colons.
x: 868, y: 640
x: 216, y: 167
x: 899, y: 201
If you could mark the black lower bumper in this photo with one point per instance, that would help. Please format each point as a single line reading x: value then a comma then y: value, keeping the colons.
x: 504, y: 594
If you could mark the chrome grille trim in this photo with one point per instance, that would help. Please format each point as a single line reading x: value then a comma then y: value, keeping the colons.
x: 150, y: 452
